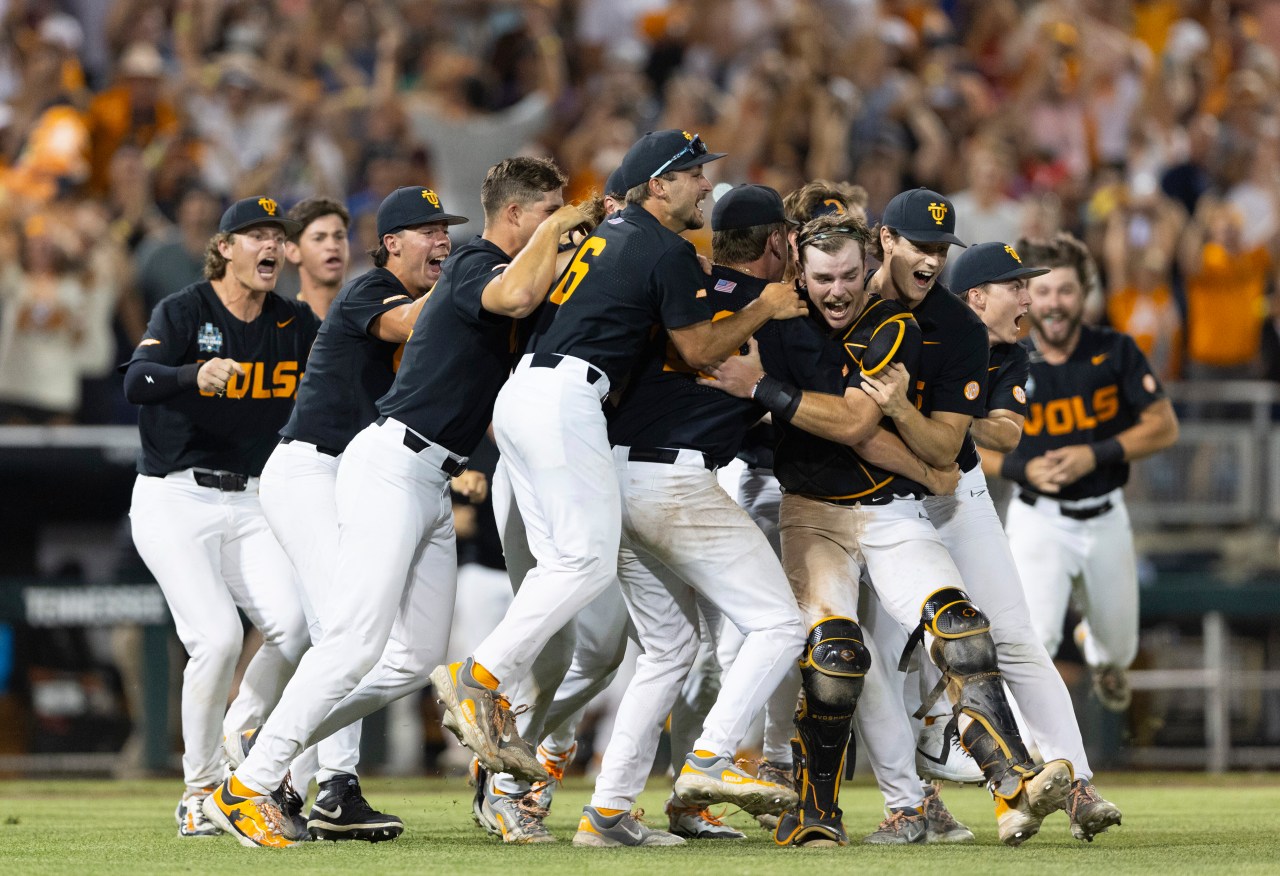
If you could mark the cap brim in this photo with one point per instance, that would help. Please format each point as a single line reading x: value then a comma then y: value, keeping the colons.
x: 1020, y: 274
x: 446, y: 218
x: 290, y: 226
x: 932, y: 237
x: 697, y: 160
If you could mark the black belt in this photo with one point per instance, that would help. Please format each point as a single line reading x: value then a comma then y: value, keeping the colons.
x: 226, y: 481
x: 327, y: 451
x: 868, y: 500
x: 553, y: 360
x: 450, y: 466
x: 664, y: 456
x: 1073, y: 513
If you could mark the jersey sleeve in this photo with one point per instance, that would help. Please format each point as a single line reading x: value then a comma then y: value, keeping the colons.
x: 169, y: 335
x: 681, y: 288
x: 795, y: 351
x: 368, y: 301
x: 1007, y: 390
x: 960, y: 386
x: 472, y: 276
x: 1139, y: 385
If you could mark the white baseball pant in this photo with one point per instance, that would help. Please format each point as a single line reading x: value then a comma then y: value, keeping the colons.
x: 394, y: 589
x: 682, y: 536
x: 1052, y: 550
x: 211, y: 551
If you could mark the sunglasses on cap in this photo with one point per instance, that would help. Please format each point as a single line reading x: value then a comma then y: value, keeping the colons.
x: 692, y: 149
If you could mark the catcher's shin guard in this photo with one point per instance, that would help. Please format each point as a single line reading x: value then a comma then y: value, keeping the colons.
x: 832, y: 670
x: 965, y: 652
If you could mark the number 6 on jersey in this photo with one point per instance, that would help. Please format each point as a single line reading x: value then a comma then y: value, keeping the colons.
x: 577, y: 269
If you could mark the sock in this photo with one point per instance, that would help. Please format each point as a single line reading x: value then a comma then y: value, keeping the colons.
x: 482, y: 676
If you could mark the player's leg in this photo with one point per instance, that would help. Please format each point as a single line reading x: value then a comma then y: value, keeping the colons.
x: 1046, y: 558
x: 178, y: 529
x: 1110, y: 603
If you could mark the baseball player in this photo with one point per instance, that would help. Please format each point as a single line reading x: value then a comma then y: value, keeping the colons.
x: 844, y: 508
x: 634, y: 272
x: 395, y: 523
x: 1093, y: 407
x: 320, y: 251
x: 216, y: 375
x: 351, y: 366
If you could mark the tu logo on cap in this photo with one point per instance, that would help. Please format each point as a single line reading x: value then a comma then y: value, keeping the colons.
x: 1011, y: 252
x: 937, y: 211
x: 432, y: 198
x: 268, y: 206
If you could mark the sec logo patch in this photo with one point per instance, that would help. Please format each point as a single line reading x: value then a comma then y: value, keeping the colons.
x: 1149, y: 383
x: 971, y: 390
x: 1020, y: 395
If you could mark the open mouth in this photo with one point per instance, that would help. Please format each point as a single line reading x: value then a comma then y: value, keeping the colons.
x: 836, y: 310
x: 267, y: 267
x: 923, y: 278
x: 333, y: 263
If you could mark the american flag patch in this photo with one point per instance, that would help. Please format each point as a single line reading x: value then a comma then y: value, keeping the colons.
x: 725, y: 285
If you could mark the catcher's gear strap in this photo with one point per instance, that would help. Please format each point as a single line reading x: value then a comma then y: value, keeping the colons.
x: 885, y: 342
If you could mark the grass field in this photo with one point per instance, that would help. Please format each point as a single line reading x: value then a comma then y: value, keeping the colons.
x: 1173, y: 823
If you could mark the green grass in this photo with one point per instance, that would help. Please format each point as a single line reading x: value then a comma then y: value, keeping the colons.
x: 1173, y: 823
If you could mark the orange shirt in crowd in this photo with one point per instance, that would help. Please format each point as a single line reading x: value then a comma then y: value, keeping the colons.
x: 113, y: 122
x: 1152, y: 319
x: 1226, y: 306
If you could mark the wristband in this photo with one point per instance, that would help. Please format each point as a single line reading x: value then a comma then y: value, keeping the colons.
x: 1107, y: 452
x: 187, y: 375
x: 1014, y: 468
x: 778, y: 398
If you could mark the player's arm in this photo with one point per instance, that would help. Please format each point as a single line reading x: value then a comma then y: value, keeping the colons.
x: 999, y: 430
x: 937, y: 438
x: 149, y: 383
x: 519, y: 289
x: 706, y: 344
x: 395, y: 325
x: 887, y: 451
x: 1156, y: 430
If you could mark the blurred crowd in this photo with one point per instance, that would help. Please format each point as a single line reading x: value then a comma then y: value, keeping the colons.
x: 1150, y: 128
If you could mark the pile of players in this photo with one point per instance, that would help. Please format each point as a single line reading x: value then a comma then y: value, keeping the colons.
x: 618, y: 372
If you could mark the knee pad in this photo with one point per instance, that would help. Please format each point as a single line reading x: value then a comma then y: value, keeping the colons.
x: 834, y: 664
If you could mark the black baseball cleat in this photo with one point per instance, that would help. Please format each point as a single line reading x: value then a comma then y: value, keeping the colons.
x: 341, y: 813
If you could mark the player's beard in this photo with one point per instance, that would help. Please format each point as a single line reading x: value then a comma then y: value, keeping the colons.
x: 1058, y: 332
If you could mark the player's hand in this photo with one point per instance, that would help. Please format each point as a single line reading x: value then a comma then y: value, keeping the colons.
x: 737, y: 375
x: 942, y: 481
x: 471, y: 484
x: 578, y: 220
x: 1069, y: 464
x: 888, y: 389
x: 783, y: 301
x: 215, y: 374
x: 1039, y: 476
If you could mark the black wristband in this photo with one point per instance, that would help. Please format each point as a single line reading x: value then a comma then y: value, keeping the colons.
x: 778, y: 398
x: 1014, y: 468
x: 1108, y: 452
x: 187, y: 375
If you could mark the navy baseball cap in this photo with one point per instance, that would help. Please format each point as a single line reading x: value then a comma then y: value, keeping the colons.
x: 988, y: 263
x: 746, y: 206
x: 922, y: 216
x: 410, y: 206
x: 613, y: 185
x: 659, y: 152
x: 256, y: 211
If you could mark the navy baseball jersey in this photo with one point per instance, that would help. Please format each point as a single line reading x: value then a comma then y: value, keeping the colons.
x: 234, y: 432
x: 954, y: 360
x: 663, y: 405
x: 458, y: 356
x: 349, y: 368
x: 802, y: 353
x: 628, y: 276
x: 1096, y: 394
x: 1007, y: 379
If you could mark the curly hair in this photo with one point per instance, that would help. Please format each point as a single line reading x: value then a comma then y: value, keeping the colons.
x: 1062, y: 251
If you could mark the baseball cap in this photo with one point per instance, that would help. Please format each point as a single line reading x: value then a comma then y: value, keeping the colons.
x: 613, y: 185
x: 256, y: 211
x: 988, y: 263
x: 410, y: 206
x: 922, y: 216
x: 659, y: 152
x: 746, y: 206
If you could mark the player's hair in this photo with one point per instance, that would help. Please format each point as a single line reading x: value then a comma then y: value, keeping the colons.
x: 737, y: 246
x: 829, y: 233
x: 1062, y: 251
x: 311, y: 209
x: 638, y: 194
x: 800, y: 203
x: 520, y: 180
x: 215, y: 264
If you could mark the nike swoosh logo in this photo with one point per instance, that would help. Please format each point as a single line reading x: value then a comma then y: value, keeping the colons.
x: 335, y: 813
x: 1098, y: 359
x: 286, y: 322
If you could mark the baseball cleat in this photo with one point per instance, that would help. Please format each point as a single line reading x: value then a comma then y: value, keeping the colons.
x: 904, y: 826
x: 601, y: 831
x: 341, y: 813
x: 514, y: 818
x: 691, y: 822
x: 290, y: 803
x: 942, y: 826
x: 238, y: 746
x: 253, y: 819
x: 780, y: 774
x: 941, y: 760
x: 482, y: 721
x: 555, y: 765
x: 1111, y: 687
x: 810, y: 829
x: 192, y: 821
x: 1090, y: 813
x: 1046, y: 791
x: 711, y: 778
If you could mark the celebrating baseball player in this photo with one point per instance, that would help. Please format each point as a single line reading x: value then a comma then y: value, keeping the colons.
x: 320, y: 251
x: 633, y: 273
x: 394, y: 514
x: 1093, y: 407
x: 216, y: 375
